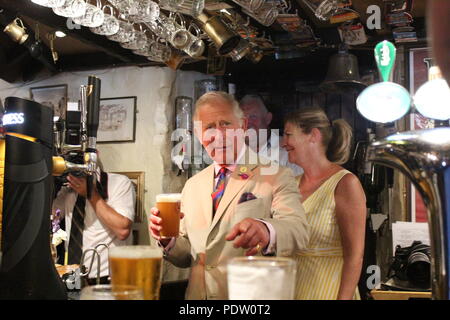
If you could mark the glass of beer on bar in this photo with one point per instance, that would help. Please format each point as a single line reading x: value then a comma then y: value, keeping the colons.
x: 109, y: 292
x: 168, y: 205
x: 139, y: 266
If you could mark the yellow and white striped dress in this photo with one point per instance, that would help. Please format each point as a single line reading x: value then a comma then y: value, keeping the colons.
x: 320, y: 265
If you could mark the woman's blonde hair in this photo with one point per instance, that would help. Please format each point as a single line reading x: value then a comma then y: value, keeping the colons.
x: 336, y: 135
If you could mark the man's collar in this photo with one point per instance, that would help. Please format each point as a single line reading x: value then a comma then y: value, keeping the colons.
x: 230, y: 167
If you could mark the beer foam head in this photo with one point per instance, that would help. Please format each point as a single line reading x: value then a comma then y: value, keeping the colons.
x: 168, y: 197
x: 135, y: 252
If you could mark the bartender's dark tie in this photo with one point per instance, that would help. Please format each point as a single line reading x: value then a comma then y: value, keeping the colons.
x: 76, y: 232
x: 220, y: 189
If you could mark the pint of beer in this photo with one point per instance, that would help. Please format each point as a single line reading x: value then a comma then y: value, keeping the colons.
x: 140, y: 266
x: 168, y: 205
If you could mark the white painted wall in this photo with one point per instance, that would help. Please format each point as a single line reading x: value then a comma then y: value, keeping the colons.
x: 156, y: 89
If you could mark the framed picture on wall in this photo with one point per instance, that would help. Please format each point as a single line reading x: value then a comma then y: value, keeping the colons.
x: 54, y: 97
x: 117, y: 120
x: 418, y: 75
x: 138, y: 180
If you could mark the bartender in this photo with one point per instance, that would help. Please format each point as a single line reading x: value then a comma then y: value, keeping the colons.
x: 106, y: 218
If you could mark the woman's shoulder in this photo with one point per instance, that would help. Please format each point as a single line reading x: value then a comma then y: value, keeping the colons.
x: 348, y: 183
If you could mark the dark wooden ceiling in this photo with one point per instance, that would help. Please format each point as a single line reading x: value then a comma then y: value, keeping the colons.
x: 84, y: 50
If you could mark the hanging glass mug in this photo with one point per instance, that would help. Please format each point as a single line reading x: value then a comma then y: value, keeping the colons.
x: 126, y: 33
x: 323, y: 9
x: 179, y: 37
x: 49, y: 3
x: 170, y: 5
x: 158, y: 28
x: 145, y: 51
x: 266, y: 14
x: 121, y: 5
x: 138, y: 43
x: 93, y: 16
x: 150, y: 13
x: 143, y: 11
x: 255, y: 4
x: 191, y: 7
x: 196, y: 45
x: 166, y: 25
x: 110, y: 24
x: 160, y: 51
x: 251, y: 5
x: 71, y: 9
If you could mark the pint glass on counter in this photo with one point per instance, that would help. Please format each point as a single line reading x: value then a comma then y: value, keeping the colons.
x: 139, y: 266
x: 168, y: 205
x: 261, y: 278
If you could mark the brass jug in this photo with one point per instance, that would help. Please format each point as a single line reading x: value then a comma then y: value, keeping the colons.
x: 223, y: 37
x: 16, y: 31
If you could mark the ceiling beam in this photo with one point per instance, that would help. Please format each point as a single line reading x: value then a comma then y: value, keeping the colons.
x: 89, y: 61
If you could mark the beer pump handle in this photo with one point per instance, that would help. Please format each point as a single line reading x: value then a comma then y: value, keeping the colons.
x: 93, y: 110
x: 93, y: 107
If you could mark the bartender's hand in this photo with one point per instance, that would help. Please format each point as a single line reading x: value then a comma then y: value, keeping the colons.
x: 155, y: 225
x: 78, y: 184
x: 248, y: 234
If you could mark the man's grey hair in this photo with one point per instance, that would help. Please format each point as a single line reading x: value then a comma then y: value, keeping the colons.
x: 220, y: 97
x: 249, y: 98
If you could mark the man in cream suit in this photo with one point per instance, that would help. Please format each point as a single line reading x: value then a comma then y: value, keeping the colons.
x: 232, y: 208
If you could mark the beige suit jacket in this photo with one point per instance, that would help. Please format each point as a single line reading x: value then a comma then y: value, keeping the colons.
x: 202, y: 245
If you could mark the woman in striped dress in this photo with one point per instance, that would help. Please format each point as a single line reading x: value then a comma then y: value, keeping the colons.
x: 335, y: 204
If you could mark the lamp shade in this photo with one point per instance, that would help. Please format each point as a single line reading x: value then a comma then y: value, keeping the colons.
x: 384, y: 102
x: 432, y: 99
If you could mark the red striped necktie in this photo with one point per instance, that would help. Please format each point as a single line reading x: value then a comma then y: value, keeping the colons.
x: 220, y: 188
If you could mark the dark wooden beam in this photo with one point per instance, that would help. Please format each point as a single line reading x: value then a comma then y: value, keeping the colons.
x: 89, y: 61
x: 47, y: 17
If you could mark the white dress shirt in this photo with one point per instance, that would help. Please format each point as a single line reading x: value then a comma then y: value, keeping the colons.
x: 283, y: 157
x: 121, y: 197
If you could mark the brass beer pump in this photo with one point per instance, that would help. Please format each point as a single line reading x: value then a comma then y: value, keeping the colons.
x: 90, y: 106
x: 424, y: 157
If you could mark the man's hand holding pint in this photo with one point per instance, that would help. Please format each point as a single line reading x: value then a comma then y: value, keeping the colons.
x: 155, y: 226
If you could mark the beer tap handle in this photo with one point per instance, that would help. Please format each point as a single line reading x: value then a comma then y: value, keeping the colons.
x: 93, y: 109
x: 83, y: 271
x: 83, y: 119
